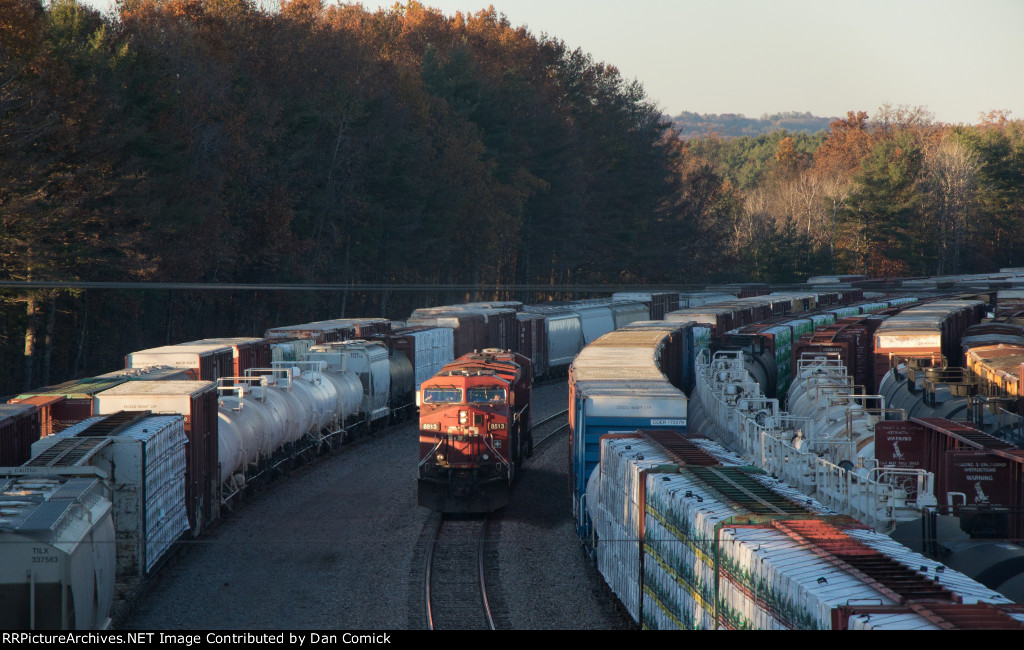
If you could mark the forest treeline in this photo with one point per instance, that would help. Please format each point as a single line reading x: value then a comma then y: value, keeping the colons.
x: 211, y: 141
x: 733, y: 125
x: 891, y: 194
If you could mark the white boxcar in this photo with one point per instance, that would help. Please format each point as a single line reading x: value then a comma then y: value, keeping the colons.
x: 146, y: 461
x: 155, y: 396
x: 207, y: 362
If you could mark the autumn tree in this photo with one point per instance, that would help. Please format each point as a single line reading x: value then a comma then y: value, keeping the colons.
x: 882, y: 206
x: 999, y: 142
x: 951, y: 193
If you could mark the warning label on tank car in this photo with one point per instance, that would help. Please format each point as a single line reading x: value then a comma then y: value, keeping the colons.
x: 901, y: 444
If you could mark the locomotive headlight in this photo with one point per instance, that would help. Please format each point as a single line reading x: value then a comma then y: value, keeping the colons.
x: 484, y: 456
x: 463, y: 417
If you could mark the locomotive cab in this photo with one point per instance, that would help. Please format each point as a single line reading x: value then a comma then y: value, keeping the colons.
x: 474, y: 432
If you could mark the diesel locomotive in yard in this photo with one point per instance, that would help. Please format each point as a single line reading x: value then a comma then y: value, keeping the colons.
x: 474, y: 431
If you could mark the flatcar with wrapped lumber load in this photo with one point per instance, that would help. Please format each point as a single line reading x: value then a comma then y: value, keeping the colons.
x: 689, y: 536
x: 474, y: 431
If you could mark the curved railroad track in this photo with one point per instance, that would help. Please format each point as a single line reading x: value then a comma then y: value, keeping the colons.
x: 454, y: 585
x: 552, y: 426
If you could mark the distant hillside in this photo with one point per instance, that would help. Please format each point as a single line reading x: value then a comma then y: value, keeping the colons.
x: 731, y: 125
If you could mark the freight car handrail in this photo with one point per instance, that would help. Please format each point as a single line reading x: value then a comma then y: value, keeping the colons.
x: 721, y: 389
x: 896, y: 359
x: 854, y: 404
x: 224, y: 387
x: 285, y: 373
x: 316, y: 367
x: 925, y: 482
x: 823, y: 387
x: 815, y: 360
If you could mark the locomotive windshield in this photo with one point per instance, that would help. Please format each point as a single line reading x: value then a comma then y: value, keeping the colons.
x: 442, y: 395
x: 485, y: 396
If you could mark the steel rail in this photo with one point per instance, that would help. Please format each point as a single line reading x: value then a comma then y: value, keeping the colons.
x: 480, y: 569
x: 539, y: 443
x: 428, y: 574
x: 430, y: 565
x: 550, y: 418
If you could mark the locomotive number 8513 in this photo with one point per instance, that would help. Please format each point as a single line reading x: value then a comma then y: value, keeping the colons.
x: 474, y: 431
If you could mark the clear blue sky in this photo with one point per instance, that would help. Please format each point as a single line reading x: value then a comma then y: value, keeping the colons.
x: 958, y: 58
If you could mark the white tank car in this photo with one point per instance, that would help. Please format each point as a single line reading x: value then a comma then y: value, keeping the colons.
x: 843, y: 417
x: 291, y: 398
x: 248, y: 428
x: 825, y: 451
x: 350, y: 394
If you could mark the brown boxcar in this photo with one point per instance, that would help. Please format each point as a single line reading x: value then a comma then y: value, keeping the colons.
x: 45, y: 404
x: 323, y: 332
x: 19, y: 428
x: 499, y: 325
x: 246, y: 352
x: 532, y: 341
x: 719, y: 317
x: 350, y: 329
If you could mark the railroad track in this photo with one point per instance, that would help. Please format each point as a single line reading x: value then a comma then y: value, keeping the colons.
x: 552, y: 425
x: 454, y: 586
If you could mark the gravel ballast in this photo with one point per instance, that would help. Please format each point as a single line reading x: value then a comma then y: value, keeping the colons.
x: 340, y: 545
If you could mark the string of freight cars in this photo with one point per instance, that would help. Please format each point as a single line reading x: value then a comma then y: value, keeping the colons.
x: 701, y: 586
x: 221, y: 416
x: 93, y: 495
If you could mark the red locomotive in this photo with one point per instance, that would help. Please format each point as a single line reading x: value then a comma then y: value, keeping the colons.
x: 474, y: 431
